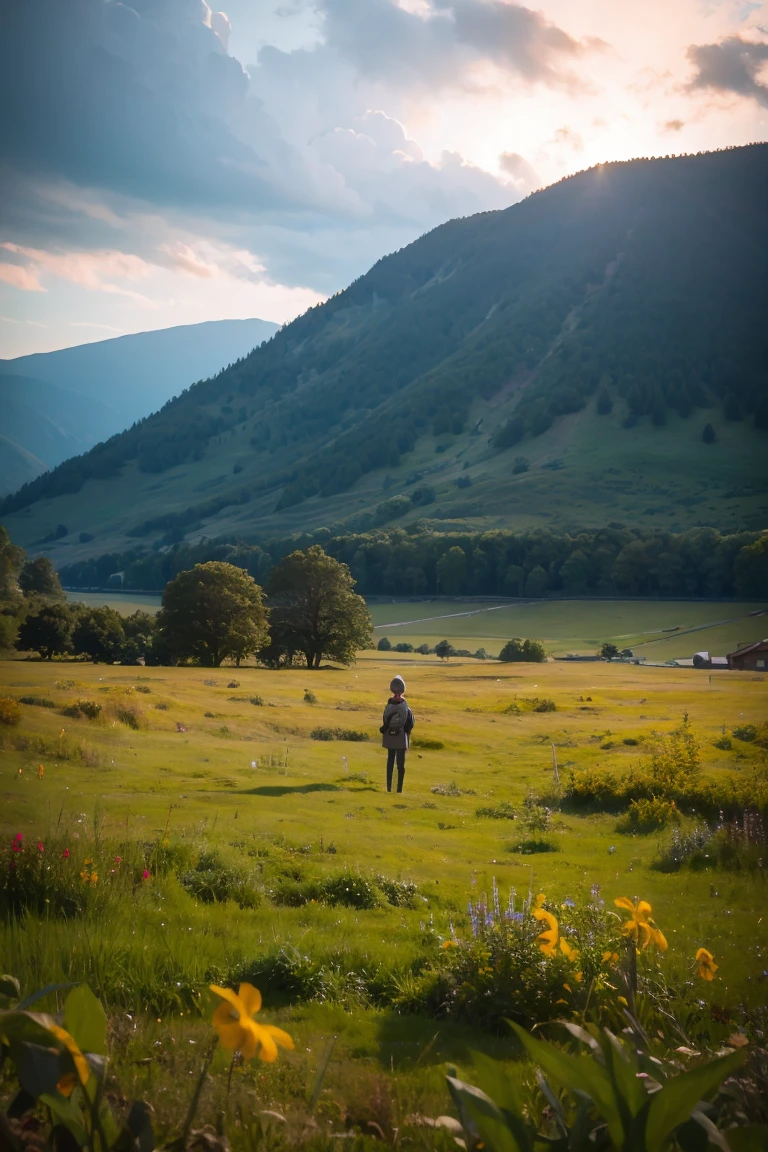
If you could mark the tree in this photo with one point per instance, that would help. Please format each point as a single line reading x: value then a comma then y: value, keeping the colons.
x: 315, y: 610
x: 608, y: 651
x: 39, y: 578
x: 384, y: 645
x: 709, y: 436
x: 99, y: 633
x: 574, y: 573
x: 452, y: 570
x: 514, y: 580
x: 47, y: 631
x: 537, y: 582
x: 523, y: 652
x: 11, y: 563
x: 140, y: 629
x: 213, y: 612
x: 444, y: 650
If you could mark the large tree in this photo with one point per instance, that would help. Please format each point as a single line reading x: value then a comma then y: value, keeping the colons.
x: 48, y: 631
x: 39, y: 578
x: 99, y: 633
x: 213, y: 612
x: 314, y: 609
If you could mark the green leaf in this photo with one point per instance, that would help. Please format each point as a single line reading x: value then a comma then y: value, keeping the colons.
x: 38, y: 1069
x: 33, y: 997
x: 753, y: 1138
x: 139, y: 1124
x: 674, y: 1103
x: 65, y: 1111
x: 497, y: 1084
x: 9, y: 986
x: 577, y: 1074
x: 86, y: 1020
x: 623, y: 1068
x: 479, y: 1114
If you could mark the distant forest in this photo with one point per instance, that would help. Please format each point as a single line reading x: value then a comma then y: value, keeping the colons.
x: 400, y: 562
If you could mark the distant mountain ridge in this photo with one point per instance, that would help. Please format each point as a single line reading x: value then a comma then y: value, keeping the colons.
x: 59, y: 404
x: 553, y: 364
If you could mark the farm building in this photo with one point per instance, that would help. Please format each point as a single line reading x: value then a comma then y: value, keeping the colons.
x: 750, y: 658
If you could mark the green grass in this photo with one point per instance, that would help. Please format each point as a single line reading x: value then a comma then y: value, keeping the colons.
x: 578, y: 626
x: 150, y: 951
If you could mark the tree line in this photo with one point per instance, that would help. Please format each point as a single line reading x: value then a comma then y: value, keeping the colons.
x: 699, y: 563
x: 211, y: 612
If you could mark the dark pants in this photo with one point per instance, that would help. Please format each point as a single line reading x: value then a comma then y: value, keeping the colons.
x: 400, y: 753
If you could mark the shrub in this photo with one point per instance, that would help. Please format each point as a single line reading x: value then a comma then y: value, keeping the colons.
x: 523, y: 652
x: 131, y: 717
x: 649, y: 815
x: 309, y: 696
x: 351, y: 890
x: 737, y: 845
x: 531, y: 847
x: 745, y: 732
x: 399, y: 893
x: 37, y: 701
x: 143, y: 689
x: 423, y: 649
x: 543, y: 705
x: 350, y: 734
x: 384, y: 645
x: 502, y: 811
x: 91, y: 709
x: 213, y: 881
x: 10, y: 712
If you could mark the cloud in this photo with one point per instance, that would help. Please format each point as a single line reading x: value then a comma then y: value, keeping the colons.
x: 440, y: 43
x: 570, y: 138
x: 86, y: 269
x: 674, y: 125
x: 732, y: 65
x: 19, y: 277
x: 516, y: 166
x: 185, y: 259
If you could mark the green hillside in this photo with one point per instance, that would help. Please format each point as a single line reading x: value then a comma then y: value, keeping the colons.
x: 553, y: 365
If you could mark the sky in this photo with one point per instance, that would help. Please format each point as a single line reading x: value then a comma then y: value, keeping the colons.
x: 162, y: 162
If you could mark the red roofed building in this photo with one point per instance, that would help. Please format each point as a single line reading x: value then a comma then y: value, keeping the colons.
x: 751, y: 658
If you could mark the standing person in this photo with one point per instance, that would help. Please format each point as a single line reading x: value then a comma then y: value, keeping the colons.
x: 396, y: 731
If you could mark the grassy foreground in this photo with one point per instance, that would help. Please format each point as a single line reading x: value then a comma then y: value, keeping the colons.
x: 200, y: 766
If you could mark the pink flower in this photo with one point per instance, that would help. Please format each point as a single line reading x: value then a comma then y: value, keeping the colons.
x: 118, y: 859
x: 40, y: 846
x: 65, y: 853
x: 18, y: 837
x: 145, y: 875
x: 17, y: 846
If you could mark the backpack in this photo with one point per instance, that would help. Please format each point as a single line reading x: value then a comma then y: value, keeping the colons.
x: 397, y: 717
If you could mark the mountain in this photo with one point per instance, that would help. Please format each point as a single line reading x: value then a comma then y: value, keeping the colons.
x: 44, y: 425
x: 76, y: 397
x: 554, y: 364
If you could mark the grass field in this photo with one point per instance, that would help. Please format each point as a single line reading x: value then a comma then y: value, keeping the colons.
x: 205, y: 768
x: 658, y: 630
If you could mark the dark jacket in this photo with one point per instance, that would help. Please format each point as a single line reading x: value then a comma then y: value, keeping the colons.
x: 397, y: 734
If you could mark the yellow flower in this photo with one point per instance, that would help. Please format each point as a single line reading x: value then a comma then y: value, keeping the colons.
x: 547, y: 940
x: 70, y: 1079
x: 239, y: 1032
x: 567, y: 951
x: 610, y: 957
x: 94, y: 877
x: 640, y: 926
x: 449, y: 944
x: 539, y: 900
x: 706, y: 964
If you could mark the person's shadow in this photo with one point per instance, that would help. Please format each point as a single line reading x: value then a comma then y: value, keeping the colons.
x: 289, y: 789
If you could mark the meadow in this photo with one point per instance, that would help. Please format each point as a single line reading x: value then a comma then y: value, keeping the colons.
x: 212, y: 784
x: 657, y: 629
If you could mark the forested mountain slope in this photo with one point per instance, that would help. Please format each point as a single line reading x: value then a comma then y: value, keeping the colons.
x: 555, y: 363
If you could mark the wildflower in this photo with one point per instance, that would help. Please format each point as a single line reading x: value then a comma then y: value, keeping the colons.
x: 118, y: 859
x: 87, y: 861
x: 567, y: 951
x: 568, y: 903
x: 546, y: 940
x: 82, y: 1072
x: 94, y: 877
x: 145, y: 874
x: 640, y: 926
x: 65, y: 853
x: 40, y: 846
x: 705, y: 964
x: 239, y: 1032
x: 610, y: 957
x: 449, y: 944
x: 40, y: 771
x: 18, y: 843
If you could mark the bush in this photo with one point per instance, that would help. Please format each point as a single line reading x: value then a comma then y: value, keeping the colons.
x: 745, y: 732
x: 10, y: 712
x: 131, y: 717
x: 339, y: 734
x: 37, y: 701
x: 502, y: 811
x: 214, y: 881
x: 543, y: 705
x: 351, y: 890
x: 91, y: 709
x: 309, y: 696
x: 531, y: 847
x: 737, y: 845
x: 649, y: 815
x: 384, y: 645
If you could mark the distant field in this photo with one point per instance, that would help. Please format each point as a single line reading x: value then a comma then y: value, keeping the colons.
x: 123, y: 602
x: 578, y: 626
